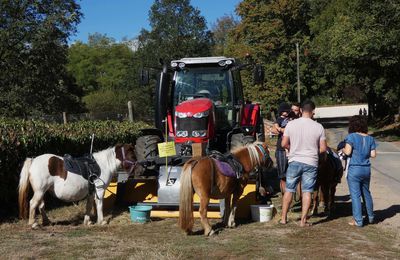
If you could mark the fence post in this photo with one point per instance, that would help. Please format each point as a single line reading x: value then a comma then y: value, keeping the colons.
x: 65, y: 118
x: 130, y: 110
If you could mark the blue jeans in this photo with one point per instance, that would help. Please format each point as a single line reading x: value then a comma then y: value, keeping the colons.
x: 297, y: 170
x: 358, y: 179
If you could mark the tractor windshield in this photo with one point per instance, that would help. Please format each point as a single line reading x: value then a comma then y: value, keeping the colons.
x: 212, y: 83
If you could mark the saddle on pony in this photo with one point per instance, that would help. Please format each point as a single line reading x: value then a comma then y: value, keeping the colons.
x: 85, y: 166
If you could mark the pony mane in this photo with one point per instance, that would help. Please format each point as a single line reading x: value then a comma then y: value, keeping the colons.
x: 253, y: 153
x: 106, y: 159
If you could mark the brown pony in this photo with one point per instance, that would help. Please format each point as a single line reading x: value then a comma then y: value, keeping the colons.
x: 330, y: 171
x: 202, y: 176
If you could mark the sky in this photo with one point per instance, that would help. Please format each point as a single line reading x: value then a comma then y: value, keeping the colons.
x: 125, y: 18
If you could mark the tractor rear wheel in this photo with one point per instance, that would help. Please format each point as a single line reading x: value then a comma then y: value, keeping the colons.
x: 146, y: 147
x: 240, y: 140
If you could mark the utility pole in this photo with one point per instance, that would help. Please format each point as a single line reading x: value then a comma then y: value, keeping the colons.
x: 298, y: 72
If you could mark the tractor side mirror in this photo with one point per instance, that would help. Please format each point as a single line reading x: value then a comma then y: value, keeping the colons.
x: 144, y: 77
x: 258, y: 74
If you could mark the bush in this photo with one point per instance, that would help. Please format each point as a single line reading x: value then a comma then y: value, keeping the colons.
x: 117, y: 101
x: 20, y: 139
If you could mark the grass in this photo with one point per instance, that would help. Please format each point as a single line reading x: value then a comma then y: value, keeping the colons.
x: 162, y: 239
x: 388, y: 135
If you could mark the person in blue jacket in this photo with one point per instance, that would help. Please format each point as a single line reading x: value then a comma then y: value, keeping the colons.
x: 360, y: 147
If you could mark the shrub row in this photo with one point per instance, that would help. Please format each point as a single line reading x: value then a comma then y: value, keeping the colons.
x: 20, y: 139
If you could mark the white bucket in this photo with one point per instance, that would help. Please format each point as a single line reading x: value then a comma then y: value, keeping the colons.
x: 262, y: 213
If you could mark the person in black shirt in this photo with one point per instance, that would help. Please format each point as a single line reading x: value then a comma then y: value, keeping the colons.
x: 280, y: 154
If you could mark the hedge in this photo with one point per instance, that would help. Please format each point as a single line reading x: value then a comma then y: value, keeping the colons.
x: 20, y: 139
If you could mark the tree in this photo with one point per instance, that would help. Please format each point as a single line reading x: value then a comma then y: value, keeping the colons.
x: 101, y: 64
x: 108, y: 74
x: 33, y: 48
x: 220, y: 31
x: 268, y: 32
x: 357, y: 45
x: 177, y: 30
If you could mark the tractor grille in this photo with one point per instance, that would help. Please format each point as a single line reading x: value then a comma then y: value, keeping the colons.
x: 190, y: 124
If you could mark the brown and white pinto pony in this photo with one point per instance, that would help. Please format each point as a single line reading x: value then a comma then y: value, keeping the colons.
x: 202, y: 176
x: 46, y: 172
x: 327, y: 179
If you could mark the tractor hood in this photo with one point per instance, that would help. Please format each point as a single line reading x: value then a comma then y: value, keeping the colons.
x: 193, y: 106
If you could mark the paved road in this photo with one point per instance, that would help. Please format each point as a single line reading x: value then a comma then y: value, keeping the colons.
x: 387, y: 164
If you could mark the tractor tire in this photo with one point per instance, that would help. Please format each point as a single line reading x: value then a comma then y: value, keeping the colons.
x: 146, y: 147
x: 240, y: 140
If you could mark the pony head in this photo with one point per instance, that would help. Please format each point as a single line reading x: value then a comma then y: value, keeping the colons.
x: 126, y: 154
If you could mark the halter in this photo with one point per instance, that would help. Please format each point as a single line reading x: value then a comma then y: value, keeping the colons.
x: 263, y: 151
x: 125, y: 161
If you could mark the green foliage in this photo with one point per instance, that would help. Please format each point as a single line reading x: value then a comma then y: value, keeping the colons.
x: 116, y: 101
x: 177, y: 30
x: 220, y: 30
x: 33, y: 48
x: 268, y: 32
x: 108, y: 73
x: 357, y: 45
x: 102, y: 64
x: 20, y: 139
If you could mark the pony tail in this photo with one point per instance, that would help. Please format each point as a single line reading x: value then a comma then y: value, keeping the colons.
x: 186, y: 199
x: 23, y: 189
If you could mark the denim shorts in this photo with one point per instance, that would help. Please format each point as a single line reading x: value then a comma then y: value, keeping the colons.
x: 306, y: 172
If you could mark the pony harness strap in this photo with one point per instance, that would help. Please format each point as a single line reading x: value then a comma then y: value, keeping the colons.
x: 334, y: 160
x: 227, y: 164
x: 84, y: 166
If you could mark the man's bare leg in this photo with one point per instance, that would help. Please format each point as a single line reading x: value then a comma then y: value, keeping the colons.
x: 282, y: 185
x: 306, y: 203
x: 287, y: 199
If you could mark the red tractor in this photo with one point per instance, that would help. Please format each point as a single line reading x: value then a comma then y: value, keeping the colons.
x: 198, y: 101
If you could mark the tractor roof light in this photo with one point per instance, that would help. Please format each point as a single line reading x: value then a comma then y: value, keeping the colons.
x: 222, y: 63
x: 181, y: 65
x: 174, y: 64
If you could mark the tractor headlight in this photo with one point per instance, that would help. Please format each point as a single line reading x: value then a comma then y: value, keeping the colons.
x: 181, y: 65
x: 199, y: 133
x: 182, y: 133
x: 181, y: 114
x: 201, y: 114
x: 174, y: 64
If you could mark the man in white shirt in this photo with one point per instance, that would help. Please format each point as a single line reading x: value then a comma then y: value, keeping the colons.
x: 305, y: 139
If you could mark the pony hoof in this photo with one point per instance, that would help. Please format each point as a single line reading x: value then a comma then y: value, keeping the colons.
x: 103, y: 223
x: 212, y: 232
x: 35, y: 226
x: 232, y: 225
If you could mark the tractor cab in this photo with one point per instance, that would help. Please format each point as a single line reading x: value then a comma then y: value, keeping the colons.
x: 207, y: 100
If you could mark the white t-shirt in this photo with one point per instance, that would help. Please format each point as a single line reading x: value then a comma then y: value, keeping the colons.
x: 304, y: 135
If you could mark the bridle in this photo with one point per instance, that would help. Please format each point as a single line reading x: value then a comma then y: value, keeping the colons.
x: 127, y: 162
x: 264, y: 152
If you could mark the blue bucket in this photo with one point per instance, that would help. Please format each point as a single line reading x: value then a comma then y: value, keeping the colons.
x: 140, y: 214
